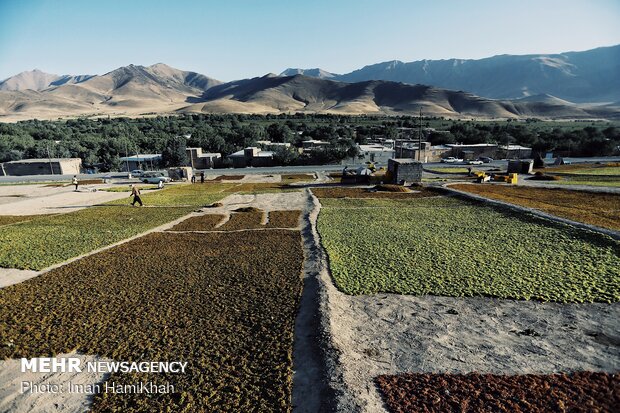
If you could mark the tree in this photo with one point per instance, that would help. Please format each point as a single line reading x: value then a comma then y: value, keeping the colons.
x: 280, y: 133
x: 175, y: 154
x: 108, y: 157
x: 284, y: 156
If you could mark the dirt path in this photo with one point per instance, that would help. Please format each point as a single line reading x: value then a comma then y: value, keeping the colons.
x: 12, y: 399
x: 389, y: 334
x: 41, y: 199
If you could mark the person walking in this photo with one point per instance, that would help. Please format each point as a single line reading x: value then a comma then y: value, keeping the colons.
x: 193, y: 178
x: 135, y: 192
x: 202, y: 177
x: 75, y: 182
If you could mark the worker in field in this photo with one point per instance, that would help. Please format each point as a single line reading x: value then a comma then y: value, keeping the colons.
x: 135, y: 192
x: 75, y: 182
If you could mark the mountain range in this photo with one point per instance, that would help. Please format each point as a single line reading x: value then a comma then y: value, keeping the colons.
x: 591, y: 76
x: 160, y: 89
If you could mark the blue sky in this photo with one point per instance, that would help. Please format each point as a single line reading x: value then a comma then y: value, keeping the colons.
x: 235, y: 39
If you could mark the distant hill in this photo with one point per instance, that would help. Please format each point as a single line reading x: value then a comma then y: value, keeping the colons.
x: 128, y: 90
x: 300, y: 93
x: 38, y: 80
x: 319, y: 73
x: 591, y: 76
x: 160, y: 89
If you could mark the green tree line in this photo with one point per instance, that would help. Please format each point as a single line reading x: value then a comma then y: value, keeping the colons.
x: 101, y: 142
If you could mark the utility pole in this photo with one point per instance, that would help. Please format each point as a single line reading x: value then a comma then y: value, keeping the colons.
x: 126, y: 158
x: 49, y: 157
x: 140, y: 166
x: 420, y: 136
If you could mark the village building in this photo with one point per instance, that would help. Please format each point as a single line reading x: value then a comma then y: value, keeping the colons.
x: 200, y: 160
x: 515, y: 152
x: 270, y: 146
x: 251, y: 156
x: 313, y: 144
x: 410, y: 148
x: 371, y: 153
x: 404, y: 171
x: 50, y: 166
x: 471, y: 151
x: 148, y: 161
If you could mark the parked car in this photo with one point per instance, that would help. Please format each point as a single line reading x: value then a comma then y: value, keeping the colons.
x: 474, y: 162
x: 155, y: 178
x: 137, y: 172
x: 485, y: 159
x: 451, y: 159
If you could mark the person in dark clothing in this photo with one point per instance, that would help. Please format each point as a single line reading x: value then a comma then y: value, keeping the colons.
x: 202, y: 177
x: 193, y: 178
x: 135, y: 192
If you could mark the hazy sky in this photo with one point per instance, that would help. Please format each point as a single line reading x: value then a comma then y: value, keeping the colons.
x: 233, y: 39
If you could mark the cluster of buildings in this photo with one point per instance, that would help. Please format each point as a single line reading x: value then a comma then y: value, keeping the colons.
x: 379, y: 150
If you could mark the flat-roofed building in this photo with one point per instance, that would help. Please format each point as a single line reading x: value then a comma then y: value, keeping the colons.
x: 147, y: 161
x: 203, y: 160
x: 313, y: 144
x: 53, y: 166
x: 404, y: 171
x: 251, y: 156
x: 472, y: 151
x: 515, y: 151
x: 371, y: 153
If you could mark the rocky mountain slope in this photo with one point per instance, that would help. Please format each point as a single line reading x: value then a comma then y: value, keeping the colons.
x: 160, y: 89
x: 591, y: 76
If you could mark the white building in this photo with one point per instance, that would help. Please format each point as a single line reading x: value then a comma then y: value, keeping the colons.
x: 149, y: 161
